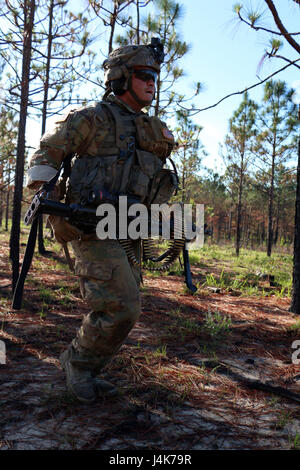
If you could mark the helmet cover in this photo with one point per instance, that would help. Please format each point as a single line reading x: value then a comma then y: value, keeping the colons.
x: 125, y: 58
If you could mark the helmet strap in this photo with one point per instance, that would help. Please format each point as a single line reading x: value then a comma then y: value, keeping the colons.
x: 107, y: 91
x: 126, y: 73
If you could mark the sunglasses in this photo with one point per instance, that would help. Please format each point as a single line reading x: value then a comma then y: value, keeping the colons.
x: 145, y: 75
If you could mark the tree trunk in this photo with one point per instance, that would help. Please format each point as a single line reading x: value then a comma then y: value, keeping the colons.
x: 183, y: 194
x: 137, y: 22
x: 276, y: 223
x: 2, y: 184
x: 7, y: 209
x: 270, y: 210
x: 239, y: 213
x: 295, y: 304
x: 219, y: 229
x: 113, y: 20
x: 229, y: 226
x: 263, y: 233
x: 7, y: 197
x: 47, y: 72
x: 247, y: 230
x: 41, y: 246
x: 29, y: 8
x: 257, y: 236
x: 1, y: 208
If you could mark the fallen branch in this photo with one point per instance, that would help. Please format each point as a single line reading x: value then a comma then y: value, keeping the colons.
x: 226, y: 369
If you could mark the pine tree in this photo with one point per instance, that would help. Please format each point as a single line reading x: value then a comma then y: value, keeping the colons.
x: 27, y: 31
x: 276, y: 138
x: 295, y: 304
x: 8, y: 135
x: 238, y: 144
x: 188, y: 153
x: 56, y: 62
x: 52, y: 49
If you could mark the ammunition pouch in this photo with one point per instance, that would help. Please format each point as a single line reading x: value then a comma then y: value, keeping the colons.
x: 89, y: 172
x: 164, y: 184
x: 142, y: 173
x: 153, y: 136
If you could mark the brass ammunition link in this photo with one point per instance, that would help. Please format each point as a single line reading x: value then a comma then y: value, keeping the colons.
x: 128, y: 248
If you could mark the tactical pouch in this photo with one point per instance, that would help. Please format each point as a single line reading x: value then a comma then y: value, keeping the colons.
x: 94, y: 171
x: 142, y: 172
x: 153, y: 136
x: 163, y: 186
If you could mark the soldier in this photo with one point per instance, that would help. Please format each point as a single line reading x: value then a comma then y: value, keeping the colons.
x: 116, y: 146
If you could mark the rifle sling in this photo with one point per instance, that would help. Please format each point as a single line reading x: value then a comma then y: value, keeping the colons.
x: 47, y: 186
x: 18, y: 293
x: 187, y: 270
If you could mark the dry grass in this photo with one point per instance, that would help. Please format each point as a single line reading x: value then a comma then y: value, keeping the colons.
x: 172, y: 396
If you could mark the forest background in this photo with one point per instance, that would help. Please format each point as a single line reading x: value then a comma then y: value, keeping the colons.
x: 229, y: 89
x: 214, y: 369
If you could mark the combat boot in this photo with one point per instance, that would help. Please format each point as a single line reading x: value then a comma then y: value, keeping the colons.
x: 105, y: 388
x: 79, y: 381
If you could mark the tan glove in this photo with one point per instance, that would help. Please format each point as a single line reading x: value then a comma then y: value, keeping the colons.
x: 63, y: 231
x: 35, y: 185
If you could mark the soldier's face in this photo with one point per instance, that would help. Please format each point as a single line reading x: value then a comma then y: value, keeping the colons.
x: 143, y: 86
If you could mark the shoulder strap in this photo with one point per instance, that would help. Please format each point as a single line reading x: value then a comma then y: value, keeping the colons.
x: 66, y: 164
x: 119, y: 127
x: 125, y: 144
x: 18, y: 292
x: 49, y: 185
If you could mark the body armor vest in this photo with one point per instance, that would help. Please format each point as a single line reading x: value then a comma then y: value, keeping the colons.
x: 119, y: 161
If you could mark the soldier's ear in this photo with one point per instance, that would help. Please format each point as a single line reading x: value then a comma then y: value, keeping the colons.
x: 117, y: 86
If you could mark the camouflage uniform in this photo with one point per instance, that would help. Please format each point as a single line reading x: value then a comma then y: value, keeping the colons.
x: 108, y: 282
x: 99, y: 136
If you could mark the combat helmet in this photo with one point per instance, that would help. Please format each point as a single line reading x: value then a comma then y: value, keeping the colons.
x: 119, y: 66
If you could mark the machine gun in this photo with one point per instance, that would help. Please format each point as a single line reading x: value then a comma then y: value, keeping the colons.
x: 79, y: 215
x: 86, y: 219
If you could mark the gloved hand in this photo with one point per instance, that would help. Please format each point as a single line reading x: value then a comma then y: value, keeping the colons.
x: 63, y: 231
x: 35, y: 185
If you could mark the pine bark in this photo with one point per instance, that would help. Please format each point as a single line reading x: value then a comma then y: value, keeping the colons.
x: 29, y: 10
x: 239, y: 210
x: 7, y: 209
x: 295, y: 304
x: 41, y: 246
x: 270, y: 209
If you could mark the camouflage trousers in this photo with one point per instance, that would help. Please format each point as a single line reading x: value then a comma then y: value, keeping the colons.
x: 110, y: 286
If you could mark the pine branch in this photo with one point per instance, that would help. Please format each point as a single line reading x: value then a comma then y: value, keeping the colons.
x: 281, y: 27
x: 196, y: 111
x: 261, y: 28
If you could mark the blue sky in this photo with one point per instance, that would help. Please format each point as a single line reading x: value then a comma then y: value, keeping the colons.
x: 224, y: 57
